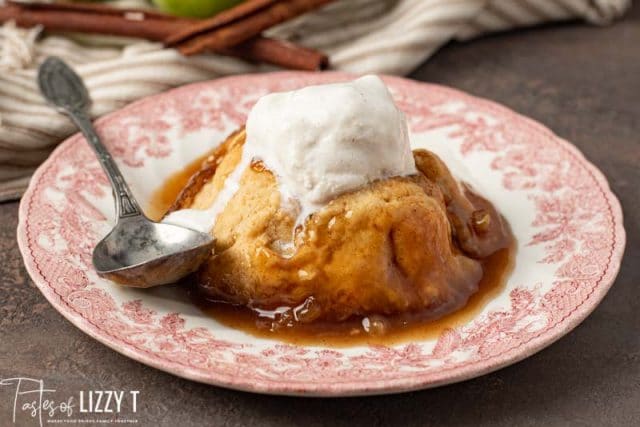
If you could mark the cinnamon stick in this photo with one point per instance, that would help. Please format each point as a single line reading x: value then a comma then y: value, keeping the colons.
x: 280, y: 53
x: 243, y: 29
x: 90, y: 8
x: 242, y: 10
x: 99, y: 19
x: 117, y: 24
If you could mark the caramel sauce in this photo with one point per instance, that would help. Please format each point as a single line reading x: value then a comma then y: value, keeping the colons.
x: 383, y: 330
x: 397, y: 329
x: 163, y: 197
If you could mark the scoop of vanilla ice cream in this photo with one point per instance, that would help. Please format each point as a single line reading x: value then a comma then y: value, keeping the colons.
x: 319, y: 142
x: 323, y: 141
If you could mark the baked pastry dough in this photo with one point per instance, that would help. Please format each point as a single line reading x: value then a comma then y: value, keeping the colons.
x: 398, y: 245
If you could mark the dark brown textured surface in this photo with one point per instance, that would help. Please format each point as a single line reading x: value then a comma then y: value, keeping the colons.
x: 584, y: 83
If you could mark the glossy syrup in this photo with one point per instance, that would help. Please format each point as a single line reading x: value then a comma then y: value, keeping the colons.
x: 390, y: 330
x: 166, y: 194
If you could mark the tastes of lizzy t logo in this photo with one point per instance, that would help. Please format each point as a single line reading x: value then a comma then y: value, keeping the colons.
x: 32, y: 400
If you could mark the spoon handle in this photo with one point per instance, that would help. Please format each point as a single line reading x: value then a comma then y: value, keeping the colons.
x: 64, y: 89
x: 126, y: 204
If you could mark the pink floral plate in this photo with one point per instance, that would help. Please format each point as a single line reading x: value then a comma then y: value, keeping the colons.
x: 567, y: 222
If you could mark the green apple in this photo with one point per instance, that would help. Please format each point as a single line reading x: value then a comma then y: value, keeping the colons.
x: 194, y: 8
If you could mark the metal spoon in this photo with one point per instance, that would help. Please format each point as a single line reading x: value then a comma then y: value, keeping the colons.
x: 137, y: 252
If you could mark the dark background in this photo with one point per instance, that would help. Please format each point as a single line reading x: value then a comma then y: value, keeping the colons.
x: 582, y: 82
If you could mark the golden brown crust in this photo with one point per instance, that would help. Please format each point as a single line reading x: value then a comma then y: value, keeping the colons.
x: 387, y: 248
x: 478, y: 228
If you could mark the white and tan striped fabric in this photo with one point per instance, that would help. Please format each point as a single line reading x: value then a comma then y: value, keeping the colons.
x: 361, y: 36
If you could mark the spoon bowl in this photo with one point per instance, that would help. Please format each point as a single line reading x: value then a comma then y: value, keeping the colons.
x: 141, y: 253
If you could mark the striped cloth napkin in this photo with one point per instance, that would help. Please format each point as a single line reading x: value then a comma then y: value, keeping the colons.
x: 361, y: 36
